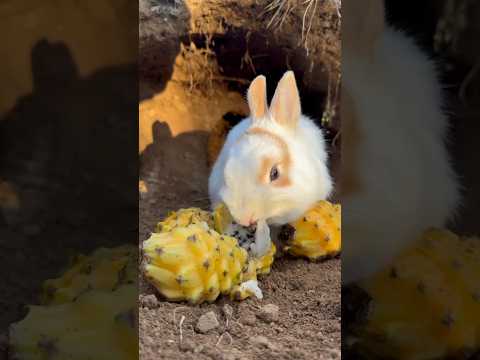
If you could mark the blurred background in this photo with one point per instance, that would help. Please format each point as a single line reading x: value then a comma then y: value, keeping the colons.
x: 449, y: 31
x: 426, y: 309
x: 68, y: 125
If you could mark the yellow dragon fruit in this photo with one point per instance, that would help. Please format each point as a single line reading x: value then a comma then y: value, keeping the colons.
x: 184, y: 217
x: 104, y: 269
x: 427, y: 304
x: 94, y: 302
x: 195, y: 255
x: 191, y: 258
x: 317, y: 234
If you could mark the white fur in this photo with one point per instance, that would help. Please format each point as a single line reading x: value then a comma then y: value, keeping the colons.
x: 404, y: 169
x: 234, y: 175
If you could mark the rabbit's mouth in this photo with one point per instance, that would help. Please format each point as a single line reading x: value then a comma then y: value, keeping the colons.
x: 249, y: 228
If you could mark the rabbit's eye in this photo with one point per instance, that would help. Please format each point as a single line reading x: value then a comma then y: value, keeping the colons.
x: 274, y: 173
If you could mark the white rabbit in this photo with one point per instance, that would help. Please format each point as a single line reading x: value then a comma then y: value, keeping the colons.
x: 397, y: 179
x: 273, y: 165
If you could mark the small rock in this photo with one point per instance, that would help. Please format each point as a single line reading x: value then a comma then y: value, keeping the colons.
x: 149, y: 301
x: 262, y: 341
x: 187, y: 345
x: 269, y: 313
x: 207, y: 322
x: 198, y: 349
x: 247, y: 318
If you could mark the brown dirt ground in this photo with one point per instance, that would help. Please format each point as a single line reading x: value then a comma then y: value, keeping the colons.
x: 185, y: 93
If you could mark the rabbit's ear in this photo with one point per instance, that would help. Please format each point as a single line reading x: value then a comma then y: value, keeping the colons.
x: 285, y: 107
x: 257, y: 98
x: 363, y: 23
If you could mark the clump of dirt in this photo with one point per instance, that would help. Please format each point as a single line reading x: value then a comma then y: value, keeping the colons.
x: 196, y: 61
x: 308, y: 325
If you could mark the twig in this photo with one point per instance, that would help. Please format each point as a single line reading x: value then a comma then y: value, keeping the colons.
x: 175, y: 312
x: 229, y: 78
x: 182, y: 319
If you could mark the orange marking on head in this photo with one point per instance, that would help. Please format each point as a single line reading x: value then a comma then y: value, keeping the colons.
x: 284, y: 164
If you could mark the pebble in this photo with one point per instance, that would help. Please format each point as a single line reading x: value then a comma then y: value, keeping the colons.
x: 207, y: 322
x: 187, y: 346
x: 269, y: 313
x: 149, y: 301
x: 247, y: 318
x: 262, y: 341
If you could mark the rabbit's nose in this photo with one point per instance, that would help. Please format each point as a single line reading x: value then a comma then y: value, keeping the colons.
x: 247, y: 221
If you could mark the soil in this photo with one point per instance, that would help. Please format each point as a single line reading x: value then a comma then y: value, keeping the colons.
x: 187, y: 90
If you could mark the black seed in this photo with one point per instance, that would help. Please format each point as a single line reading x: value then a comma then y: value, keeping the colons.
x: 327, y: 238
x: 192, y: 238
x: 206, y: 264
x: 159, y: 250
x: 225, y: 273
x: 305, y: 219
x: 317, y: 226
x: 231, y: 253
x: 211, y: 289
x: 180, y: 280
x: 222, y: 238
x: 217, y: 248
